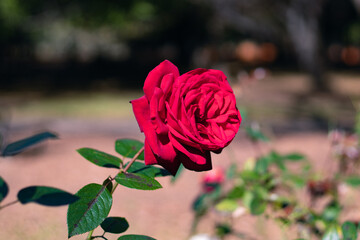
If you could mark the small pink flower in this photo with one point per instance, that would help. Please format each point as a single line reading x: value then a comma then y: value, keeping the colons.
x: 213, y: 178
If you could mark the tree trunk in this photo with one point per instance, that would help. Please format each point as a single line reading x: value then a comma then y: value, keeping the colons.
x: 303, y: 28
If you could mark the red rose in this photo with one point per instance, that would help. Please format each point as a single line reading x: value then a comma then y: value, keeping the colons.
x: 185, y: 117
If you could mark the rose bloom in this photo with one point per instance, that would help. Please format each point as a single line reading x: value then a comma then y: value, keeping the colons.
x: 186, y: 117
x: 212, y: 179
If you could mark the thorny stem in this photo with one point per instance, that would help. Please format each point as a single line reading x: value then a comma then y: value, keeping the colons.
x: 128, y: 166
x: 89, y: 236
x: 133, y: 159
x: 9, y: 204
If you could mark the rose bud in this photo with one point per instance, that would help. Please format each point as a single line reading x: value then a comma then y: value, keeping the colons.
x: 186, y: 117
x: 212, y: 179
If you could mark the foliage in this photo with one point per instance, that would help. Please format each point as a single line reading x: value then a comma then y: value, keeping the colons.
x: 95, y: 201
x: 266, y: 186
x: 90, y: 206
x: 90, y: 211
x: 47, y: 196
x: 23, y: 144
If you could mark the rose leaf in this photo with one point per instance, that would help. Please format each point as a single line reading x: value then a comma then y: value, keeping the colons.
x: 4, y: 189
x: 137, y: 181
x: 47, y: 196
x: 115, y: 225
x: 90, y: 210
x: 135, y: 237
x: 129, y: 147
x: 21, y: 145
x: 100, y: 158
x: 150, y: 171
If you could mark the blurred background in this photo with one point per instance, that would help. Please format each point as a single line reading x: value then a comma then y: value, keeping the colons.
x: 72, y: 67
x: 57, y: 45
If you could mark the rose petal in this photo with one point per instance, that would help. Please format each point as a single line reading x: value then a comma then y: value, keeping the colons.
x: 156, y: 120
x: 166, y: 149
x: 151, y: 158
x: 142, y: 114
x: 183, y: 139
x: 189, y: 164
x: 155, y: 77
x: 172, y: 167
x: 194, y: 157
x: 149, y: 154
x: 141, y: 111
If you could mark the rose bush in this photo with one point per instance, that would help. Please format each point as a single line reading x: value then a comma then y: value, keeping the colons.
x: 185, y: 117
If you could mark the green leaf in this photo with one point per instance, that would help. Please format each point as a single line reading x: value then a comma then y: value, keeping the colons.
x: 90, y: 211
x: 223, y: 230
x: 137, y: 181
x: 21, y: 145
x: 349, y: 231
x: 254, y: 202
x: 135, y: 237
x: 353, y: 181
x: 4, y: 189
x: 243, y: 114
x: 100, y: 158
x: 277, y: 160
x: 257, y: 206
x: 129, y: 147
x: 248, y: 175
x: 331, y: 212
x: 298, y: 181
x: 148, y: 170
x: 227, y: 205
x: 47, y: 196
x: 236, y: 193
x: 115, y: 225
x: 201, y: 203
x: 178, y: 173
x: 247, y: 198
x: 108, y: 184
x: 261, y: 165
x: 255, y: 134
x: 331, y: 234
x: 231, y: 171
x: 294, y: 157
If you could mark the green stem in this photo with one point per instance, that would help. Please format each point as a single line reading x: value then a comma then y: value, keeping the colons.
x: 133, y: 159
x: 9, y: 204
x: 89, y: 236
x: 128, y: 166
x: 99, y: 237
